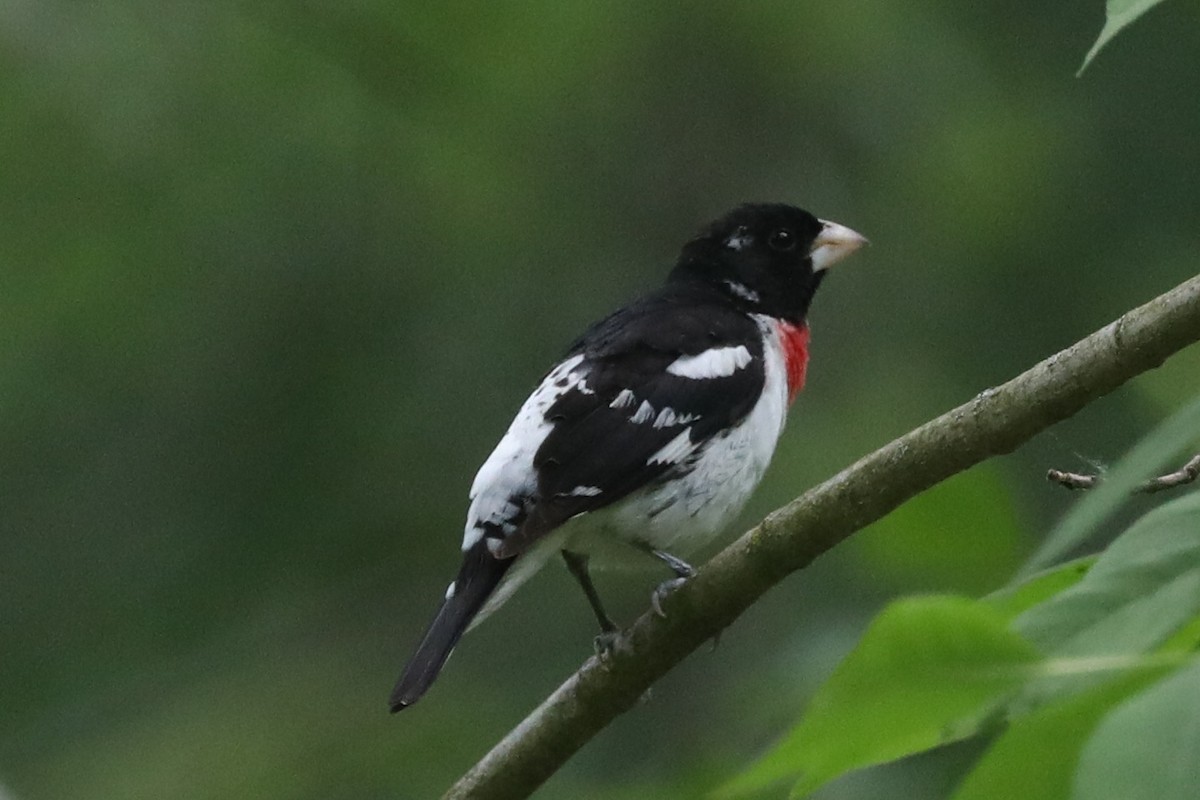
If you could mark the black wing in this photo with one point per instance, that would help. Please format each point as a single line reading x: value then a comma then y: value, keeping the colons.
x: 632, y: 422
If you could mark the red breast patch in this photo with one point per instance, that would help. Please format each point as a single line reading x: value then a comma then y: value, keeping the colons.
x: 794, y: 339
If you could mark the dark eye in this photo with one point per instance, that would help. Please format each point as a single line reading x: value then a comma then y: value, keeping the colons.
x: 782, y: 239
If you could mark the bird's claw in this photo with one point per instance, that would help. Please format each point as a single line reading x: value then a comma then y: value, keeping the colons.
x: 683, y: 571
x: 665, y: 588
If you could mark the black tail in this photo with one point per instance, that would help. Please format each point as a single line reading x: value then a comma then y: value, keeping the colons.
x: 477, y: 579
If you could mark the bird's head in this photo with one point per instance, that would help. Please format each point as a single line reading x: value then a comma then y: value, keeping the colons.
x: 767, y: 258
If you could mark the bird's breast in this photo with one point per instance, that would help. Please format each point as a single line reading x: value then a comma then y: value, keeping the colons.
x: 793, y: 341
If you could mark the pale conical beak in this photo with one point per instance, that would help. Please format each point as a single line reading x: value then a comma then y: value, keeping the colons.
x: 834, y: 243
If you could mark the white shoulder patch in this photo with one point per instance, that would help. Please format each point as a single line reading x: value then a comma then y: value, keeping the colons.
x: 719, y: 362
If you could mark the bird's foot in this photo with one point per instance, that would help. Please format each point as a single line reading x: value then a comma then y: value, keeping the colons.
x: 606, y: 643
x: 664, y: 589
x: 683, y: 572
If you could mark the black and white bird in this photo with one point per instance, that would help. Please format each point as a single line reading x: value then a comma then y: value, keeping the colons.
x: 652, y: 432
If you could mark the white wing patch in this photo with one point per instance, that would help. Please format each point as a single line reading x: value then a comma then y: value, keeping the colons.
x: 718, y: 362
x: 623, y: 400
x: 508, y: 472
x: 645, y: 413
x: 668, y: 417
x: 585, y: 491
x: 675, y: 450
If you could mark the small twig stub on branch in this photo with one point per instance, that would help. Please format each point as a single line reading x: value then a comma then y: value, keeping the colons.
x: 1188, y: 473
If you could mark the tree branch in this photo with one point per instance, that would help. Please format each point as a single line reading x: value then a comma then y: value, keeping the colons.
x: 996, y: 421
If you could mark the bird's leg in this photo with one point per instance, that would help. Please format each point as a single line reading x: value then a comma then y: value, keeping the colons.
x: 577, y: 565
x: 683, y: 571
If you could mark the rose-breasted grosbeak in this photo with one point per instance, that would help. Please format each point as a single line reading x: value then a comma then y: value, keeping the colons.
x: 650, y: 435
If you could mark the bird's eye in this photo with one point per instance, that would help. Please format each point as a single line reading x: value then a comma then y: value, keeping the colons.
x: 782, y: 239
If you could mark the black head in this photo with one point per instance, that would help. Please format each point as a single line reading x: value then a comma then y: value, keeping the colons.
x: 766, y: 258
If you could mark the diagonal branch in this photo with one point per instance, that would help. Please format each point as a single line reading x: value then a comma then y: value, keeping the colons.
x: 994, y: 422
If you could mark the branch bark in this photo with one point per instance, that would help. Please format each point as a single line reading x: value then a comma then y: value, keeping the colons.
x: 996, y: 421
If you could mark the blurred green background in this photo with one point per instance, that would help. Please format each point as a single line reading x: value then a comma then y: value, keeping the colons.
x: 274, y: 278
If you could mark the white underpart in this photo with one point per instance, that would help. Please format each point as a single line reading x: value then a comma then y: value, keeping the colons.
x: 508, y: 471
x: 718, y: 362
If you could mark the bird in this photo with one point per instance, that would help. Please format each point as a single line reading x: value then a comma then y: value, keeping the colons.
x: 648, y: 437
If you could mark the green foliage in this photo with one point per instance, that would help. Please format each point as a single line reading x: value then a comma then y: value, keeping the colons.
x: 925, y: 673
x: 1034, y: 759
x: 1118, y: 14
x: 1147, y: 748
x: 1143, y: 587
x: 1019, y: 596
x: 1081, y: 661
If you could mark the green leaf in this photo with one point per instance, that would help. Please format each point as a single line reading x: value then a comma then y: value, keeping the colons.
x: 1159, y: 549
x: 1140, y: 592
x: 1116, y: 645
x: 1148, y: 747
x: 1119, y: 13
x: 1140, y: 625
x: 1035, y: 758
x: 1185, y: 641
x: 926, y: 672
x: 1165, y: 444
x: 1017, y: 598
